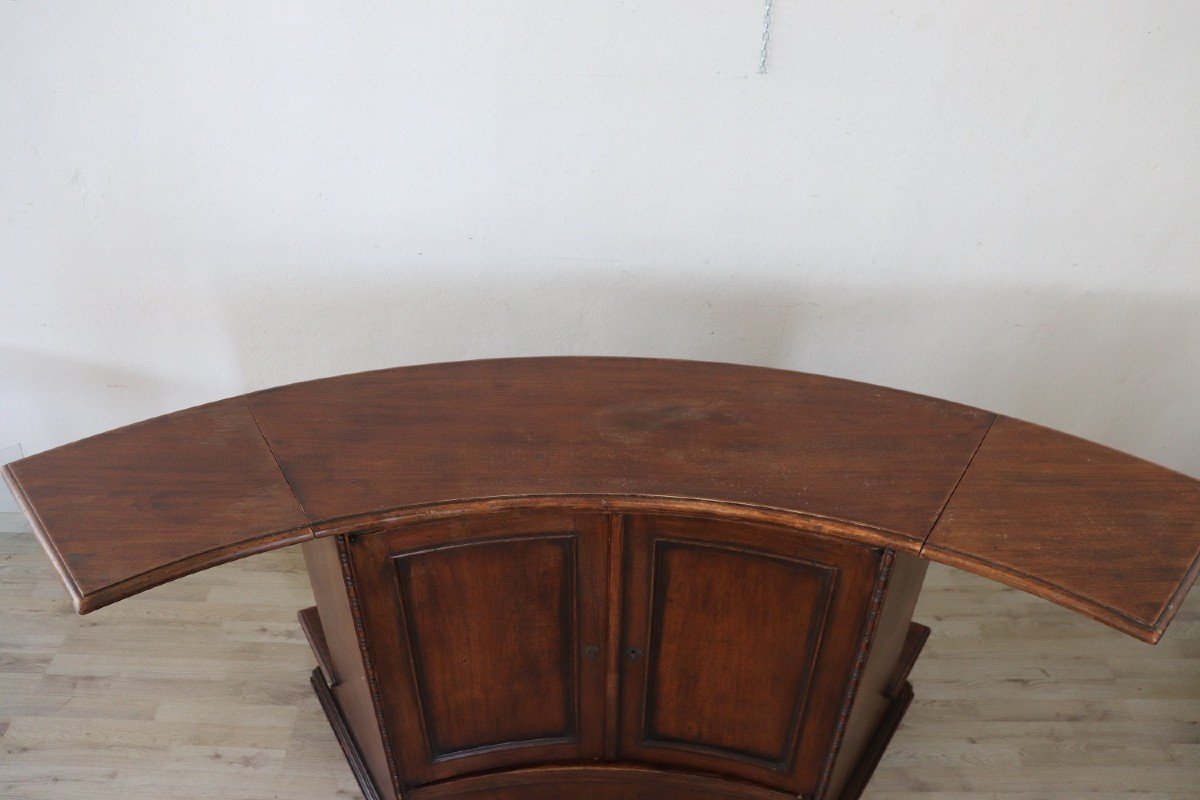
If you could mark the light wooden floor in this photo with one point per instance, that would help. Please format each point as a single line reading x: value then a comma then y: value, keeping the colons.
x: 199, y: 689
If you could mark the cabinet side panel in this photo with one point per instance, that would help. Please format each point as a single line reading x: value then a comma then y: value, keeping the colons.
x: 351, y: 691
x: 875, y: 696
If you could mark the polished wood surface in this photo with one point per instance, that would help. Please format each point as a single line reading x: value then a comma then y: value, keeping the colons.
x: 1100, y: 532
x: 487, y: 636
x: 615, y: 782
x: 618, y: 578
x: 739, y: 647
x: 876, y: 458
x: 1093, y: 529
x: 896, y: 644
x: 487, y: 640
x: 132, y: 508
x: 199, y: 690
x: 350, y: 689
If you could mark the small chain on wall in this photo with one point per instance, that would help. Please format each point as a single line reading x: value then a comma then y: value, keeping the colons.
x: 766, y: 38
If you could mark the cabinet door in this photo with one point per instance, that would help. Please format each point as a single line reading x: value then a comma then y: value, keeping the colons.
x: 739, y: 644
x: 487, y: 639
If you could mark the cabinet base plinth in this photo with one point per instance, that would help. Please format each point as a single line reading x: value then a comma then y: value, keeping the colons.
x: 900, y: 694
x: 879, y: 742
x: 322, y: 678
x: 599, y: 783
x: 345, y: 738
x: 594, y: 782
x: 611, y: 781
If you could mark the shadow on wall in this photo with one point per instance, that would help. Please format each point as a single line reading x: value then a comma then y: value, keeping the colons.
x: 1120, y: 369
x: 59, y: 390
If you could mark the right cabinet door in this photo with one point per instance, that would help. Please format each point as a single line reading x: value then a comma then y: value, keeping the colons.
x: 739, y: 641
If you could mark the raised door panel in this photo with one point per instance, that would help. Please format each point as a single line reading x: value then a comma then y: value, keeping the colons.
x: 487, y: 638
x: 708, y: 673
x: 739, y: 643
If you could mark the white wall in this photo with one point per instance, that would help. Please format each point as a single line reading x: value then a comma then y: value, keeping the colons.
x: 993, y: 202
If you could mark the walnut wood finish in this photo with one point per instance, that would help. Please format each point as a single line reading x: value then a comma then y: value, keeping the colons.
x: 612, y: 782
x: 1100, y: 532
x: 736, y: 646
x: 1095, y: 530
x: 731, y: 687
x: 344, y: 651
x: 487, y: 636
x: 894, y: 648
x: 626, y: 578
x: 375, y: 441
x: 694, y: 645
x: 129, y: 509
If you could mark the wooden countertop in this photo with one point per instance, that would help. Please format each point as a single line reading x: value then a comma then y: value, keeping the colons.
x: 1098, y: 531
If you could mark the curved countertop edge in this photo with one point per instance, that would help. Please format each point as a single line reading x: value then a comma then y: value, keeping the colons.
x: 187, y: 566
x: 87, y: 602
x: 1015, y: 456
x: 1010, y: 463
x: 1060, y: 595
x: 805, y: 521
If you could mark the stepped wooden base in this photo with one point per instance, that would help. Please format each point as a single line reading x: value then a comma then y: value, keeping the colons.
x: 310, y: 623
x: 609, y: 782
x: 345, y: 738
x: 879, y: 742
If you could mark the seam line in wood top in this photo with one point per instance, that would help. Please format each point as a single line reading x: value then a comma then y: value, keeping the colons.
x: 275, y: 458
x: 86, y: 602
x: 957, y: 483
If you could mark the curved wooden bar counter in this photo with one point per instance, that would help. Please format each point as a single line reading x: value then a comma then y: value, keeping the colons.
x: 614, y: 578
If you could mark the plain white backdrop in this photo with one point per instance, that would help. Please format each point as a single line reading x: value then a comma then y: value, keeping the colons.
x: 993, y: 202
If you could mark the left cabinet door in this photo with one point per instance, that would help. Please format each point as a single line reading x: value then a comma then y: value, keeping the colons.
x: 487, y: 639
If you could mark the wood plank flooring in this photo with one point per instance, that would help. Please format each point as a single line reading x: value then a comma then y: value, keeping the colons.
x: 199, y: 689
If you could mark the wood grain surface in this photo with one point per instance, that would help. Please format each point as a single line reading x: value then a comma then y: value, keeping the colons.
x: 200, y: 689
x: 1103, y: 533
x: 351, y: 691
x: 1098, y: 531
x: 739, y: 649
x: 596, y: 782
x: 131, y: 508
x: 372, y: 441
x: 479, y: 632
